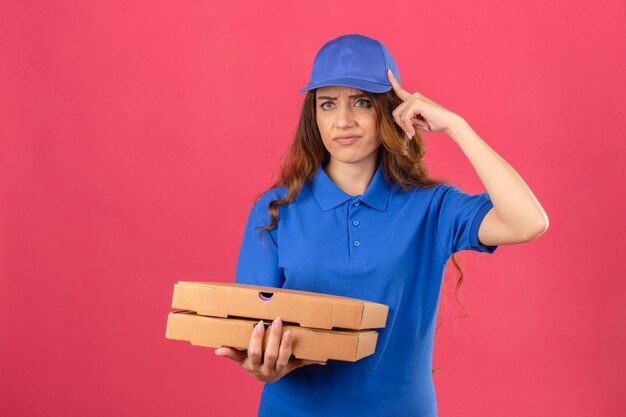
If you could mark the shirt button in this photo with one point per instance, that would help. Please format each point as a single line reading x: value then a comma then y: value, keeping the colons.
x: 357, y: 203
x: 357, y: 243
x: 355, y: 222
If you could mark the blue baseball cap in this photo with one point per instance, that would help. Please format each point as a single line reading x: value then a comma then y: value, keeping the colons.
x: 354, y: 61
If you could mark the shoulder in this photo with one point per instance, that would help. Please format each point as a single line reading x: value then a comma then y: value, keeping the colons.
x: 446, y: 197
x: 443, y: 189
x: 261, y: 205
x: 449, y: 192
x: 454, y: 203
x: 271, y: 195
x: 429, y: 194
x: 431, y: 189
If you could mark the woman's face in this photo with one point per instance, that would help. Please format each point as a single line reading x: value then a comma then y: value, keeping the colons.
x: 345, y: 111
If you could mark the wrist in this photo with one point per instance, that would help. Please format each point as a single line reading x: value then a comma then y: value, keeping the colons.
x: 455, y: 125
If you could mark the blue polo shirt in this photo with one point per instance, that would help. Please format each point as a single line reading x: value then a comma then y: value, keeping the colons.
x: 385, y: 246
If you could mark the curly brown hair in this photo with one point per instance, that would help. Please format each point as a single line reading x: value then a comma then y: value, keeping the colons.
x: 402, y: 160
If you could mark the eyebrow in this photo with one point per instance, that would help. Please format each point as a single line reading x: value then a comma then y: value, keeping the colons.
x: 335, y: 98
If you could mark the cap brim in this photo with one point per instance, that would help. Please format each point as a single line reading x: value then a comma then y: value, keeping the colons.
x: 365, y: 85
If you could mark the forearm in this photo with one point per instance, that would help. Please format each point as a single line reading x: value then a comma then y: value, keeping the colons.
x: 513, y: 201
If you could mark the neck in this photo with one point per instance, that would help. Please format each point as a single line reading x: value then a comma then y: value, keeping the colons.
x: 352, y: 177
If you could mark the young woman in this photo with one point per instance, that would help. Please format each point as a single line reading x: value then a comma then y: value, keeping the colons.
x: 355, y: 214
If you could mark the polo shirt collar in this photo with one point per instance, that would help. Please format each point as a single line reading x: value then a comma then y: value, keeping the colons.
x: 329, y: 195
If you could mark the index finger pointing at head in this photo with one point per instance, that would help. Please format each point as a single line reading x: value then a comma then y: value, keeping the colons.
x: 400, y: 92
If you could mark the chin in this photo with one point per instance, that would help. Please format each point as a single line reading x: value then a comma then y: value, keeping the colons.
x: 347, y: 155
x: 350, y: 159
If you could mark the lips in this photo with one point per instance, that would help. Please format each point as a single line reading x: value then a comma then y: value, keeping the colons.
x: 346, y: 140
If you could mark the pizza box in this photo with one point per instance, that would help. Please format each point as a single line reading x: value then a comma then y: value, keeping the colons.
x: 306, y: 343
x: 308, y: 309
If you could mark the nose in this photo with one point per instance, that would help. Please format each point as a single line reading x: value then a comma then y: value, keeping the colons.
x: 345, y: 116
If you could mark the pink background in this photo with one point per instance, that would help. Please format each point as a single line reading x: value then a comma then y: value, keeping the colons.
x: 135, y: 135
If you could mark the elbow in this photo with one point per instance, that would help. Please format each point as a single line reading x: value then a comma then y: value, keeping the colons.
x: 540, y: 228
x: 544, y: 223
x: 529, y: 230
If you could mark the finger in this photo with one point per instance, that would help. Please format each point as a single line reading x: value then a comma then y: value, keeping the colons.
x: 407, y: 123
x: 255, y: 347
x: 284, y: 352
x: 400, y: 92
x: 419, y: 122
x: 402, y: 116
x: 232, y: 354
x: 271, y: 349
x: 398, y: 115
x: 422, y: 125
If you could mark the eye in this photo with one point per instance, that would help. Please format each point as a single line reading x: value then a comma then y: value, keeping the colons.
x: 366, y: 104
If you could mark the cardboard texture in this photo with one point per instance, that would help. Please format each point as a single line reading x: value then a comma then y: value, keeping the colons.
x: 307, y: 343
x: 323, y: 326
x: 309, y: 309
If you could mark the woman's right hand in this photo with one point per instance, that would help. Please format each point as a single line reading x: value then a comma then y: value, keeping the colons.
x: 275, y: 362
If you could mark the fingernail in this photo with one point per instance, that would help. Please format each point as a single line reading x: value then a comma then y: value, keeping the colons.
x: 277, y: 323
x: 260, y: 327
x: 408, y: 135
x: 217, y: 351
x: 287, y: 336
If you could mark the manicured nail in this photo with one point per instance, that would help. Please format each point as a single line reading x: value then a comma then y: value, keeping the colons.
x: 277, y: 323
x: 260, y: 327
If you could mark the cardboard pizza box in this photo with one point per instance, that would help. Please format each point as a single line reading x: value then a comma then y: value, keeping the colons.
x: 308, y: 309
x: 306, y: 343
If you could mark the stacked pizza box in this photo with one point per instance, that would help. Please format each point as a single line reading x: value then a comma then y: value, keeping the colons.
x: 323, y: 326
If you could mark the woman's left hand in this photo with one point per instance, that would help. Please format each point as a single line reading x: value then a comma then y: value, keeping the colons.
x: 418, y: 111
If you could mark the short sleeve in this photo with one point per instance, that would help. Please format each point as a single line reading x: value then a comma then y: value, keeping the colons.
x: 459, y: 218
x: 258, y: 254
